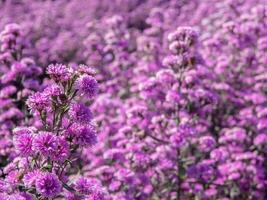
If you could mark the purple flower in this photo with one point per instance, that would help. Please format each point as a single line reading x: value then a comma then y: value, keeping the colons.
x: 13, y: 178
x: 84, y: 135
x: 86, y: 70
x: 59, y: 72
x: 207, y: 143
x: 48, y: 185
x: 51, y: 146
x: 211, y: 192
x: 87, y: 85
x: 187, y: 34
x: 31, y: 84
x: 177, y: 139
x: 53, y: 90
x: 166, y: 76
x: 90, y: 187
x: 84, y: 186
x: 38, y: 102
x: 7, y: 91
x: 45, y: 143
x: 220, y: 154
x: 24, y: 144
x: 61, y: 152
x: 12, y: 28
x: 29, y: 179
x: 260, y: 139
x: 79, y: 112
x: 262, y: 124
x: 173, y: 96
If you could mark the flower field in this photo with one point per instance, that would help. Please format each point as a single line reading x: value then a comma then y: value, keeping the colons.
x: 133, y: 99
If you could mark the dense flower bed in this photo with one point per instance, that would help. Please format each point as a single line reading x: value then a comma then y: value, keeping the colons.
x: 133, y: 100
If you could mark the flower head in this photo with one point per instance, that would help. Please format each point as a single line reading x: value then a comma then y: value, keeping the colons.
x: 83, y: 134
x: 187, y: 34
x: 52, y: 146
x: 84, y: 186
x: 86, y: 70
x: 207, y: 143
x: 61, y: 152
x: 87, y: 85
x: 177, y: 139
x: 260, y: 139
x: 23, y: 144
x: 80, y: 113
x: 45, y: 143
x: 59, y: 72
x: 38, y: 102
x: 29, y: 179
x: 91, y: 187
x: 53, y: 90
x: 48, y: 185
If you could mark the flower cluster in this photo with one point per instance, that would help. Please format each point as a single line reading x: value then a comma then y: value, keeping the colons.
x: 46, y: 153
